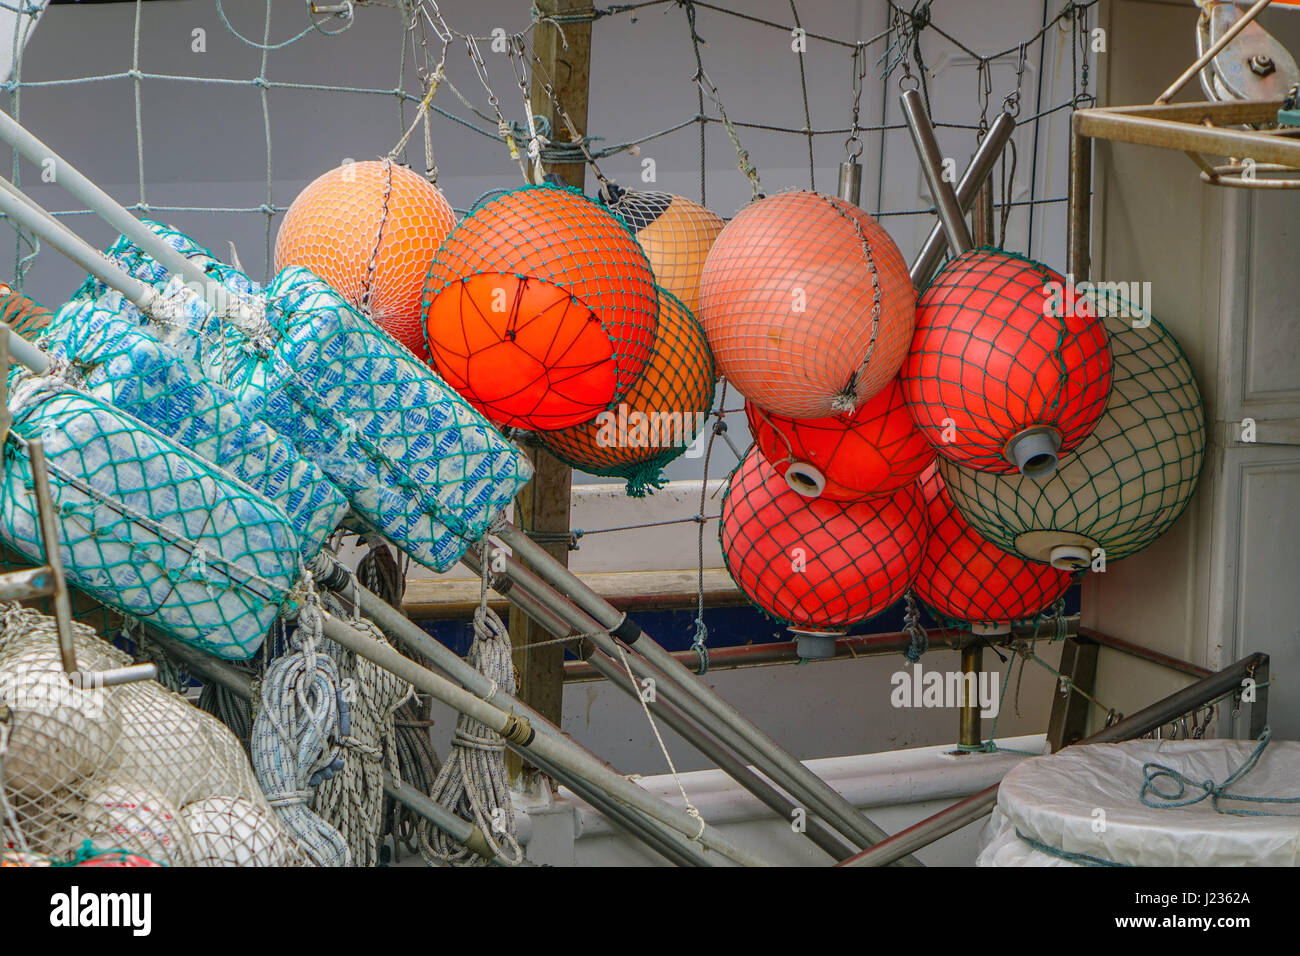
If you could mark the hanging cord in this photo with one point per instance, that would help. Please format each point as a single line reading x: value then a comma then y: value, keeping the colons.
x: 577, y: 149
x: 472, y: 783
x: 913, y: 629
x: 807, y: 113
x: 700, y: 642
x: 691, y: 810
x: 709, y: 88
x: 1215, y: 792
x: 537, y: 137
x: 292, y: 743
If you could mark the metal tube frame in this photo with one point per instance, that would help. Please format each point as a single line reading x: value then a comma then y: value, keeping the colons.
x: 697, y: 700
x: 604, y: 666
x: 946, y: 205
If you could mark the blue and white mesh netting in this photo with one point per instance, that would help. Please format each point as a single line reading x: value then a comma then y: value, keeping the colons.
x: 146, y: 526
x: 128, y: 366
x: 417, y: 463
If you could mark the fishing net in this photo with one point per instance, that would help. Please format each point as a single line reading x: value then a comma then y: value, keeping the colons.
x: 965, y: 580
x: 807, y: 304
x: 567, y: 305
x: 1126, y: 483
x: 415, y: 461
x: 999, y: 365
x: 676, y: 235
x: 131, y: 771
x: 126, y: 364
x: 814, y: 563
x: 146, y: 526
x: 660, y: 416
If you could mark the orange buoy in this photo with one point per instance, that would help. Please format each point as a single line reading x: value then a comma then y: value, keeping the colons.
x: 545, y: 237
x: 819, y: 565
x: 676, y: 235
x: 370, y: 230
x: 807, y: 304
x: 1008, y: 370
x: 874, y: 451
x: 661, y: 415
x: 24, y: 315
x: 967, y: 578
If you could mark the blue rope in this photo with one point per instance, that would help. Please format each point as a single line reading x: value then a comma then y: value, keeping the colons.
x: 1084, y: 858
x: 1153, y: 771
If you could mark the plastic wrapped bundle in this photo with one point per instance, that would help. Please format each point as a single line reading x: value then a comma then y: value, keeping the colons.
x: 128, y: 366
x: 416, y: 462
x: 145, y: 526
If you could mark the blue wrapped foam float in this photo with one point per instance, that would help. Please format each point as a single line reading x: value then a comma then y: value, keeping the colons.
x: 417, y: 463
x: 126, y: 365
x: 146, y: 526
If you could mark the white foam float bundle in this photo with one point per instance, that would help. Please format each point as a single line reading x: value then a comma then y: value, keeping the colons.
x: 417, y: 463
x: 1164, y: 803
x: 126, y: 775
x: 130, y: 366
x: 145, y: 526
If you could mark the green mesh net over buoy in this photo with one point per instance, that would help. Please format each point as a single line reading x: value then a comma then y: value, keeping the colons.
x: 1126, y: 483
x: 659, y: 418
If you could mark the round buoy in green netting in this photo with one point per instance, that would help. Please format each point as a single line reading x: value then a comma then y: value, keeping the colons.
x: 1126, y: 483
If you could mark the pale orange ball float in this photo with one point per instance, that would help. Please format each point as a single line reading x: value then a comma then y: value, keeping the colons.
x: 370, y: 230
x: 807, y: 304
x: 676, y: 235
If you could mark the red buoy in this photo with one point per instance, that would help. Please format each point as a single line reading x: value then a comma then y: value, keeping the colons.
x: 1008, y: 370
x: 874, y: 451
x: 968, y: 579
x: 818, y: 564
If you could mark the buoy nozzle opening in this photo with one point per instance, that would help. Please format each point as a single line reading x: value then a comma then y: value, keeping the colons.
x: 815, y: 645
x: 805, y: 479
x: 1070, y: 557
x: 1035, y: 452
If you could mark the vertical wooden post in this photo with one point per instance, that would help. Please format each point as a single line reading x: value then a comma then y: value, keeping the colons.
x: 543, y: 506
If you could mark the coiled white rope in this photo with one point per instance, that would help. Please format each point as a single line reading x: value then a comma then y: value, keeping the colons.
x: 472, y: 783
x: 292, y: 743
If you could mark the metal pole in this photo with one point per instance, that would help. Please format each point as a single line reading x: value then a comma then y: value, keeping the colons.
x: 1078, y: 227
x: 112, y: 212
x: 947, y: 821
x: 969, y: 730
x: 977, y: 173
x: 25, y: 352
x: 544, y: 739
x: 927, y: 147
x: 18, y: 206
x: 698, y: 701
x: 50, y: 545
x: 663, y: 707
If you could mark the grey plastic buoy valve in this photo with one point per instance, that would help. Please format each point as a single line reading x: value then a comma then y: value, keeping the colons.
x: 815, y: 645
x: 1035, y: 451
x: 806, y: 479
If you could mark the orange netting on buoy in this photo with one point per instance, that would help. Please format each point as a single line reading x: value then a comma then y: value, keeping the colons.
x: 370, y: 230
